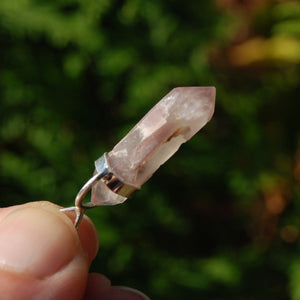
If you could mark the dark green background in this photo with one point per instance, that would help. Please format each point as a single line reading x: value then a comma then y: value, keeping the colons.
x: 221, y: 219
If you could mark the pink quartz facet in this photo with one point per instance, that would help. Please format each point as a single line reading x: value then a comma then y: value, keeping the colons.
x: 152, y: 141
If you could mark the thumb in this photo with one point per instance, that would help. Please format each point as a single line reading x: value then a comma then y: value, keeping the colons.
x: 41, y: 254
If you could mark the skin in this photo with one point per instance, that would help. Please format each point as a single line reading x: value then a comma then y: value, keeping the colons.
x: 42, y: 256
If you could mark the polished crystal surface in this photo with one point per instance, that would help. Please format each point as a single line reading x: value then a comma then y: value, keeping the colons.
x: 152, y: 141
x: 157, y: 136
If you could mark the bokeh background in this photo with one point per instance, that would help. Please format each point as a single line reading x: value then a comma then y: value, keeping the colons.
x: 221, y: 219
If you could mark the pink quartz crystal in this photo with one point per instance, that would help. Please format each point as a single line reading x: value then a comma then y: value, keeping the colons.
x: 152, y: 141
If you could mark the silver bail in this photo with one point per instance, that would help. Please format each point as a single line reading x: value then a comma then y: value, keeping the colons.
x: 110, y: 189
x: 107, y: 189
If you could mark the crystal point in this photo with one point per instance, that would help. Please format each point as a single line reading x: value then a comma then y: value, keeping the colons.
x: 159, y: 134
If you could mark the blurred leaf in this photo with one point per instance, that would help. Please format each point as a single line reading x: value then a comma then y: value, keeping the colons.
x: 294, y: 280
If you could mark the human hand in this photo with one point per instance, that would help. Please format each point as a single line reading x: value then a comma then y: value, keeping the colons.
x: 42, y: 256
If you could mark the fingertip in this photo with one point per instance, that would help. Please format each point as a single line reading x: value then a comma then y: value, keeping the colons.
x: 35, y: 220
x: 35, y: 241
x: 97, y: 285
x: 87, y: 231
x: 124, y: 293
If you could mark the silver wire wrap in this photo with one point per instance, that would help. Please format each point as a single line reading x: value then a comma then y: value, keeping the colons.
x: 104, y: 174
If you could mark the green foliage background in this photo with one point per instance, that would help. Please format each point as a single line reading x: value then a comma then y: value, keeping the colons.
x: 221, y: 219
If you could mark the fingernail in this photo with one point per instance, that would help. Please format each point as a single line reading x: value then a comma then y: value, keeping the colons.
x: 35, y: 241
x: 124, y: 293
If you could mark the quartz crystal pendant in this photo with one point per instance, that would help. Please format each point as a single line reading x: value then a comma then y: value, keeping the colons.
x: 151, y: 142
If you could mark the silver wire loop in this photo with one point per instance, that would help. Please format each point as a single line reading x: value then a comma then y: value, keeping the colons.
x: 79, y: 205
x: 111, y: 181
